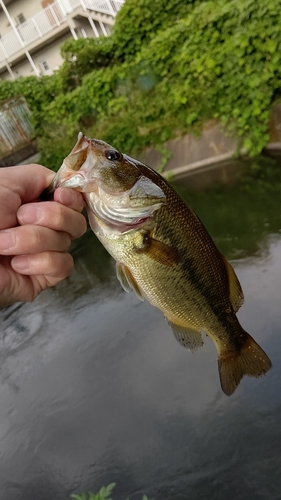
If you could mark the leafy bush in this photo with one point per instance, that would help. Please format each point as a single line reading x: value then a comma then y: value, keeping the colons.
x: 103, y: 494
x: 83, y: 56
x: 140, y: 20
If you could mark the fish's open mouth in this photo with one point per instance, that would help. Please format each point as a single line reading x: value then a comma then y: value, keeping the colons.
x: 74, y: 181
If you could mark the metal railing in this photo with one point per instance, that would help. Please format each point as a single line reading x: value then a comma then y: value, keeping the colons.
x: 15, y: 126
x: 48, y: 19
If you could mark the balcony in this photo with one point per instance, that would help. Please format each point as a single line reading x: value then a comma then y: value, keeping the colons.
x: 49, y: 19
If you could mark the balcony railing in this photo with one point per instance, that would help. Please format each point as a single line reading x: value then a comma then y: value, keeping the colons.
x: 48, y: 19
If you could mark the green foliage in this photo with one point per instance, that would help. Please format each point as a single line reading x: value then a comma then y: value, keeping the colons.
x: 103, y: 494
x: 82, y: 57
x: 38, y: 92
x: 139, y: 21
x: 166, y: 68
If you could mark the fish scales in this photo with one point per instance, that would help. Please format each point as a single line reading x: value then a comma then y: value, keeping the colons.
x: 187, y: 277
x: 164, y: 253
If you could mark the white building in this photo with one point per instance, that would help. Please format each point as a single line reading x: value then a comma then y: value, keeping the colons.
x: 32, y: 31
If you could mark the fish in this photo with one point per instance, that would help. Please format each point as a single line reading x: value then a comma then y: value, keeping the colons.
x: 163, y: 253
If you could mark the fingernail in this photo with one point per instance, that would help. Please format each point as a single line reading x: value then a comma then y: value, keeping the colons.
x: 29, y: 214
x: 67, y: 197
x: 7, y: 240
x: 21, y: 262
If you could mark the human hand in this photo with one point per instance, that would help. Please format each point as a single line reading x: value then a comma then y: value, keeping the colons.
x: 35, y: 235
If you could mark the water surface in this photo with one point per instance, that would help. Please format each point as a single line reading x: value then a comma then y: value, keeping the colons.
x: 94, y: 388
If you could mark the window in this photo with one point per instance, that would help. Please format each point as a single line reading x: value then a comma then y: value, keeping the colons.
x: 20, y: 18
x: 45, y: 68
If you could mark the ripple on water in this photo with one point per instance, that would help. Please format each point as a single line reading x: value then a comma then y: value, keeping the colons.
x: 19, y: 329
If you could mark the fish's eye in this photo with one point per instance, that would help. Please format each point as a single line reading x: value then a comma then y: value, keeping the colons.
x: 112, y: 155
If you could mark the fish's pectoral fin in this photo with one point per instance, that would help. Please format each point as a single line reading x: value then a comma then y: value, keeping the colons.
x: 236, y: 295
x: 187, y: 336
x: 127, y: 280
x: 250, y: 360
x: 159, y: 251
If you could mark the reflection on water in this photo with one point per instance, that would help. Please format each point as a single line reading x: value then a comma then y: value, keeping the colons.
x: 94, y: 388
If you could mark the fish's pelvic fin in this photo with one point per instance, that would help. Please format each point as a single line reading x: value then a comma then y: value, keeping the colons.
x: 187, y: 336
x: 159, y: 251
x: 236, y: 295
x: 127, y: 280
x: 250, y: 360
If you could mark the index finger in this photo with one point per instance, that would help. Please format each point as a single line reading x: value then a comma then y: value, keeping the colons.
x: 26, y: 181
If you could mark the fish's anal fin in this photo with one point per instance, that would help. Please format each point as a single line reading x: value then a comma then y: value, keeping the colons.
x: 127, y: 280
x: 159, y: 251
x: 186, y: 336
x: 250, y: 360
x: 236, y: 295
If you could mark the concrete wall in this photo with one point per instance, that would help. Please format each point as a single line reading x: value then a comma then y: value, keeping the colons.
x: 18, y: 156
x: 211, y: 157
x: 189, y: 148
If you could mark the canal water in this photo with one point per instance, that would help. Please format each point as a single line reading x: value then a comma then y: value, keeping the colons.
x: 94, y: 389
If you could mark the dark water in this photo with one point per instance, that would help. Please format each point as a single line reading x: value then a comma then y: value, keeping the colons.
x: 94, y: 389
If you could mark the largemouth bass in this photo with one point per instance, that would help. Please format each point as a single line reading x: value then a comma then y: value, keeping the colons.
x: 164, y: 253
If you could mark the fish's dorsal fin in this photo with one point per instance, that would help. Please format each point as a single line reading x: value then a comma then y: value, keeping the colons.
x: 236, y: 295
x: 187, y: 336
x: 127, y: 280
x: 159, y: 251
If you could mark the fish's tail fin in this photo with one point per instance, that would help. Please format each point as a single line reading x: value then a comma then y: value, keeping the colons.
x: 250, y: 360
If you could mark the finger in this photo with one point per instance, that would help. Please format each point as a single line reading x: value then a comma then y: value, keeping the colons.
x: 9, y: 204
x: 27, y: 181
x: 51, y: 266
x: 32, y: 239
x: 69, y: 198
x: 53, y: 215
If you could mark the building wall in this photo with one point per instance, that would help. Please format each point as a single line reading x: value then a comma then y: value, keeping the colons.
x: 27, y: 8
x: 45, y: 50
x: 50, y: 54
